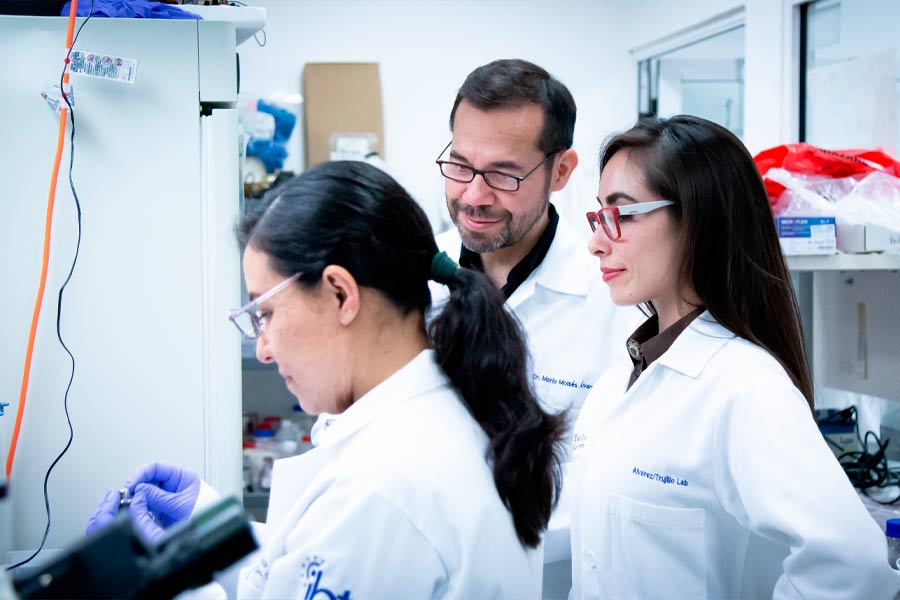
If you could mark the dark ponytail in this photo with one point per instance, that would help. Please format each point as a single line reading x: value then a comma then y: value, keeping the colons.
x: 352, y: 214
x: 480, y: 346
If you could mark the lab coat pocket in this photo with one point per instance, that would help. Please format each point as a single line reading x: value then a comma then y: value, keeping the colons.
x: 657, y: 551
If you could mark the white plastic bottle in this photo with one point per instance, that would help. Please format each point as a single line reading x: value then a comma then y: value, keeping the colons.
x: 892, y: 532
x: 247, y: 472
x: 265, y: 439
x: 264, y: 455
x: 288, y: 438
x: 265, y: 475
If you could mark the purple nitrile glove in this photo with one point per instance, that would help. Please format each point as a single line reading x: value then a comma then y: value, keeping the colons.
x: 170, y: 492
x: 141, y: 514
x: 104, y: 513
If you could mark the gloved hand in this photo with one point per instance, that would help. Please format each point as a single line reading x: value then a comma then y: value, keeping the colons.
x: 104, y: 513
x: 162, y: 495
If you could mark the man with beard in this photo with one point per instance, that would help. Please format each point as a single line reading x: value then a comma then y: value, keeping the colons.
x: 512, y: 126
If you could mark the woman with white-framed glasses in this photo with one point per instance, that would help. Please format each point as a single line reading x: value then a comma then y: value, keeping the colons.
x: 439, y: 476
x: 699, y: 470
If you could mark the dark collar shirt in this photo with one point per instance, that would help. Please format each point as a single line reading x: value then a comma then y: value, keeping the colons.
x: 647, y: 343
x: 526, y: 266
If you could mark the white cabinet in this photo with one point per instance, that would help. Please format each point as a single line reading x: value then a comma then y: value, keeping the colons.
x: 849, y: 304
x: 158, y: 365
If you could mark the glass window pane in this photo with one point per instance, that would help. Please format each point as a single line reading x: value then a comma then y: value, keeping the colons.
x: 852, y: 74
x: 644, y: 88
x: 705, y: 78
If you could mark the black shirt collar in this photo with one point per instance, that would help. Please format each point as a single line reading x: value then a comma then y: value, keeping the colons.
x: 526, y: 266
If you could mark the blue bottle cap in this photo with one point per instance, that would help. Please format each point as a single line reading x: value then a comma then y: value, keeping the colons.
x: 892, y: 528
x: 261, y: 433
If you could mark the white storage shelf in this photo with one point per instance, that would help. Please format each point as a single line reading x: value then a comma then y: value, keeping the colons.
x: 247, y: 19
x: 845, y: 262
x: 837, y: 296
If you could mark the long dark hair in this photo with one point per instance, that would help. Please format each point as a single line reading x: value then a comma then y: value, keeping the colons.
x: 354, y: 215
x: 730, y: 248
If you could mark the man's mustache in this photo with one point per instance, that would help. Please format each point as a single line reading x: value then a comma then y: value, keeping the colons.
x: 480, y: 213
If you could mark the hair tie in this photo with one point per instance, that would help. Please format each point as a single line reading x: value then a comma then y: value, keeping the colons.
x: 443, y: 268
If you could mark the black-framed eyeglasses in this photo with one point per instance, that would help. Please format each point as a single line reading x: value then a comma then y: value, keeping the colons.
x: 498, y: 180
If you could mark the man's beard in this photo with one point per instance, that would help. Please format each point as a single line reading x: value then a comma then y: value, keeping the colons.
x: 512, y: 229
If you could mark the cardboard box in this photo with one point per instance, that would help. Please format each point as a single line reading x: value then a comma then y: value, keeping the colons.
x: 342, y: 111
x: 867, y: 238
x: 801, y: 236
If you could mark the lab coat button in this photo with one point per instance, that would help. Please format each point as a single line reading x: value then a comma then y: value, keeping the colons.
x: 589, y: 559
x: 634, y: 349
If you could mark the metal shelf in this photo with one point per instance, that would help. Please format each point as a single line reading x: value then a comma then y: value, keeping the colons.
x: 845, y: 262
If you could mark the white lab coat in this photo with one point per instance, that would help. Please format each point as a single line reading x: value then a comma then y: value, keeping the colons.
x: 574, y: 334
x: 397, y: 501
x: 574, y: 331
x: 710, y: 479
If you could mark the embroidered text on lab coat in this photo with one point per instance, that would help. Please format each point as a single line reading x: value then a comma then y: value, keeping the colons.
x: 667, y: 479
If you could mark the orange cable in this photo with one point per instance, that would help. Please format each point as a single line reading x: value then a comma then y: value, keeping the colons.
x: 48, y: 227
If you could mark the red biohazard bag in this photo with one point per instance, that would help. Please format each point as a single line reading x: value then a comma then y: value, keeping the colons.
x: 809, y: 160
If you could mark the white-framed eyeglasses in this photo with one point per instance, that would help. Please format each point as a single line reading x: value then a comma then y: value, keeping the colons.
x: 608, y: 217
x: 248, y: 319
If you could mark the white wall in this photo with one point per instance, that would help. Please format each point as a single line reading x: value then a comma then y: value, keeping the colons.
x: 426, y: 49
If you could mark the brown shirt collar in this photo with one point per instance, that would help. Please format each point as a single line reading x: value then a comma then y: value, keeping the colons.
x: 647, y: 343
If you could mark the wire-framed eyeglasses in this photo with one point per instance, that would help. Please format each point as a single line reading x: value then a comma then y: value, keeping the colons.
x: 609, y: 217
x: 248, y: 318
x: 505, y: 182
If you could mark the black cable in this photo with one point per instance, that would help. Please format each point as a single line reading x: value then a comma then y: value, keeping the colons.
x: 264, y: 40
x: 60, y: 298
x: 866, y: 470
